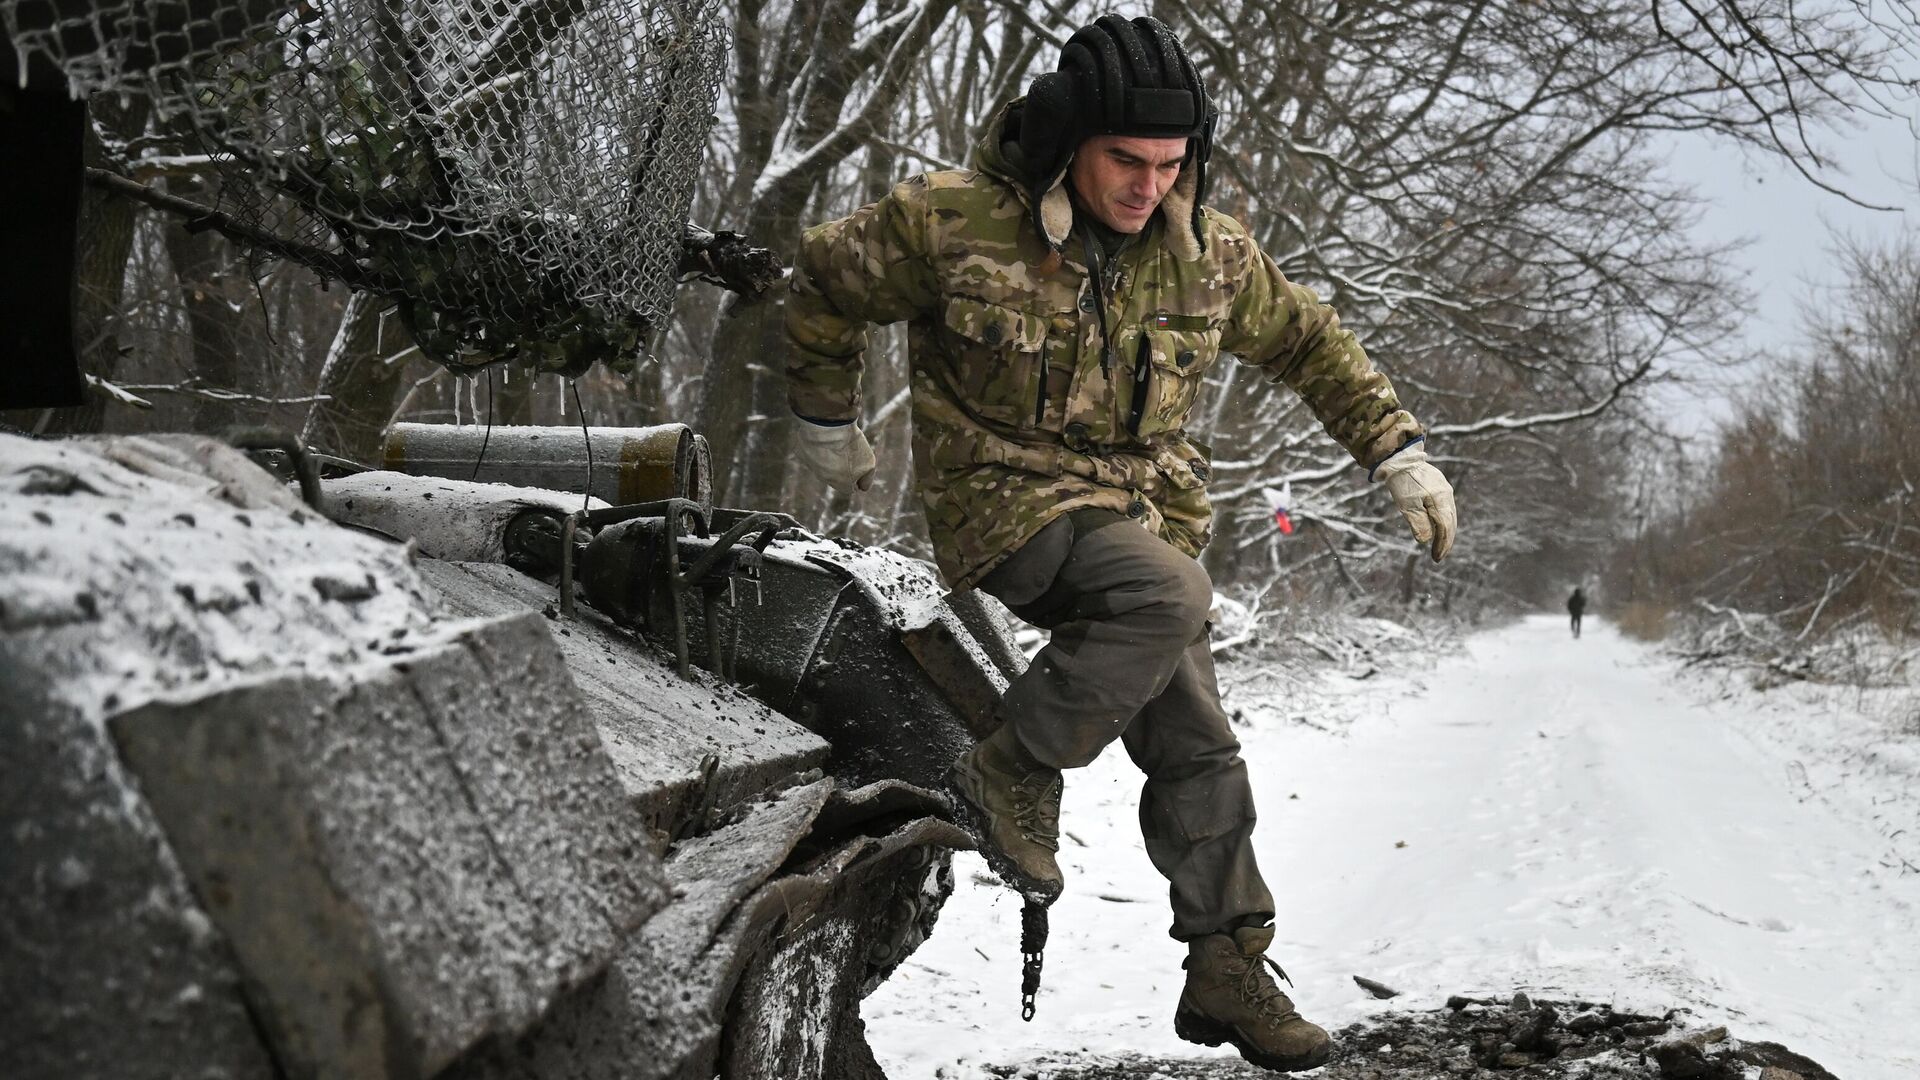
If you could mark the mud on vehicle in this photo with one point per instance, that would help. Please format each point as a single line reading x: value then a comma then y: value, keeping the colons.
x: 390, y: 772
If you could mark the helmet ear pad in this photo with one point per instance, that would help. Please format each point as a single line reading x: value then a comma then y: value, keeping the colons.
x: 1048, y: 125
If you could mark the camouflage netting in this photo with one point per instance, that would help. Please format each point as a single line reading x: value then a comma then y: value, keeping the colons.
x: 515, y: 174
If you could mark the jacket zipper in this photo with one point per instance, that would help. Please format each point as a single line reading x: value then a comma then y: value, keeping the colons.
x: 1100, y: 292
x: 1040, y: 398
x: 1142, y: 383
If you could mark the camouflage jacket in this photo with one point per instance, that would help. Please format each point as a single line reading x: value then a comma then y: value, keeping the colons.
x: 1018, y: 414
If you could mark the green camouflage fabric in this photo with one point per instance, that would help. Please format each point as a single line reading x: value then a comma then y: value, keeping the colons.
x: 1014, y: 420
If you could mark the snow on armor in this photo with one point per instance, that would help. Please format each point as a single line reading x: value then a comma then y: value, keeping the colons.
x: 1014, y: 421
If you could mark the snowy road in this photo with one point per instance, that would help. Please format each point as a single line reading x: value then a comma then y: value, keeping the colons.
x: 1536, y: 813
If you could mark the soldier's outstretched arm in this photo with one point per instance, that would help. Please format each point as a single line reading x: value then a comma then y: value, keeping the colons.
x: 1285, y: 329
x: 866, y: 268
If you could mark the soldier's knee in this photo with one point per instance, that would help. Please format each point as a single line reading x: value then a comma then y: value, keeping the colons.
x: 1220, y: 764
x: 1073, y: 755
x: 1190, y: 595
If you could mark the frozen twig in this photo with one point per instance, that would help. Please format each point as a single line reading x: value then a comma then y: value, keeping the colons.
x: 211, y: 393
x: 118, y: 393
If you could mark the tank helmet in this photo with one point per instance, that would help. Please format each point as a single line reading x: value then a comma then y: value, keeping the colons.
x: 1116, y: 77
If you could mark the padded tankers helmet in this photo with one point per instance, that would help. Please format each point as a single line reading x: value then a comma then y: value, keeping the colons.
x: 1117, y: 76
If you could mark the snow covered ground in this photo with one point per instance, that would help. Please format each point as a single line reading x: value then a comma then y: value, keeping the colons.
x: 1575, y: 819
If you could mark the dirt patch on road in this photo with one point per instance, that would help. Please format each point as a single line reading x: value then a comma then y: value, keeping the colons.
x: 1483, y: 1039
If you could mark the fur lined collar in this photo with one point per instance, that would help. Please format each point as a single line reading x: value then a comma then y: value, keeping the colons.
x: 1056, y: 214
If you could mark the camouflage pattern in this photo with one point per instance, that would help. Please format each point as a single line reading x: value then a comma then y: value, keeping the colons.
x: 1014, y: 420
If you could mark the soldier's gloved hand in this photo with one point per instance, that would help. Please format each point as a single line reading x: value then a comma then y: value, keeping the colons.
x: 1423, y: 497
x: 838, y: 453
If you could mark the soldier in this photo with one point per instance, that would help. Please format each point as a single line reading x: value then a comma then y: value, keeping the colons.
x: 1064, y: 300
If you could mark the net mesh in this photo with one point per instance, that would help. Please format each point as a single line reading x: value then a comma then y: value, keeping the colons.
x: 514, y: 174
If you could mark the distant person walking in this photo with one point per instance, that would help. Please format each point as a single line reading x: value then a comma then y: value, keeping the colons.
x: 1576, y: 604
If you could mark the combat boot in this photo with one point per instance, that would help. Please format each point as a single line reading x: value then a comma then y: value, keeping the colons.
x: 1012, y: 802
x: 1229, y: 997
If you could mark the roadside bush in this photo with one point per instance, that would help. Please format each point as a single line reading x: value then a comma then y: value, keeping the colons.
x: 1643, y: 620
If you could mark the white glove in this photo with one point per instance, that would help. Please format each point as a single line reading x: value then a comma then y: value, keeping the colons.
x: 1423, y: 496
x: 839, y: 454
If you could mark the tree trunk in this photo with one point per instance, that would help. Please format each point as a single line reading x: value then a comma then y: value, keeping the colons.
x: 213, y: 286
x: 743, y: 376
x: 647, y: 399
x: 767, y: 440
x: 104, y: 244
x: 362, y: 385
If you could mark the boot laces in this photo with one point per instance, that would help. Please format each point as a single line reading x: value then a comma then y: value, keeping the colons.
x: 1036, y: 808
x: 1259, y: 987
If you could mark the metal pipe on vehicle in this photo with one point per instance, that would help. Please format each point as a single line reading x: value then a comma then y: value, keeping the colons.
x: 629, y: 464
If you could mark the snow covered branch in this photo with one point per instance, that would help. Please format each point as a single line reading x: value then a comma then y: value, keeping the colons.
x: 1539, y: 420
x: 212, y: 393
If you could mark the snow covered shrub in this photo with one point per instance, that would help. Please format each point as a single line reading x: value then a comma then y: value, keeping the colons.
x: 1644, y: 620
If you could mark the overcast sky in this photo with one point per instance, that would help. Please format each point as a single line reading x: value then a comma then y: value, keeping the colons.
x: 1789, y: 223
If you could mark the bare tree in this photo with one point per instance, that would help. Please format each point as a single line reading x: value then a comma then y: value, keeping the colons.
x: 1474, y: 185
x: 1806, y: 516
x: 1476, y: 188
x: 796, y: 118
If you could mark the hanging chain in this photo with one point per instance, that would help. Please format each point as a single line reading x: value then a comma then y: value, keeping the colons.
x: 1033, y: 944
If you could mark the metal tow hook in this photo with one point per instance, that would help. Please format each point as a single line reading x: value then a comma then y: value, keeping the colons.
x: 1033, y: 945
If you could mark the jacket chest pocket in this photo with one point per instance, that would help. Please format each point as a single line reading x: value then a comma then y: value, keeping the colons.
x: 1168, y: 367
x: 994, y: 355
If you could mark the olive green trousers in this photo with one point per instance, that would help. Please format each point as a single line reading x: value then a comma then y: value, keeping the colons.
x: 1129, y: 660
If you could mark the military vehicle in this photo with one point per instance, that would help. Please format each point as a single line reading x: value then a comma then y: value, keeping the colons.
x: 516, y: 756
x: 473, y: 765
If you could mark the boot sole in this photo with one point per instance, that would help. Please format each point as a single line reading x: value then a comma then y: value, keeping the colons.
x: 1197, y: 1029
x: 977, y: 822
